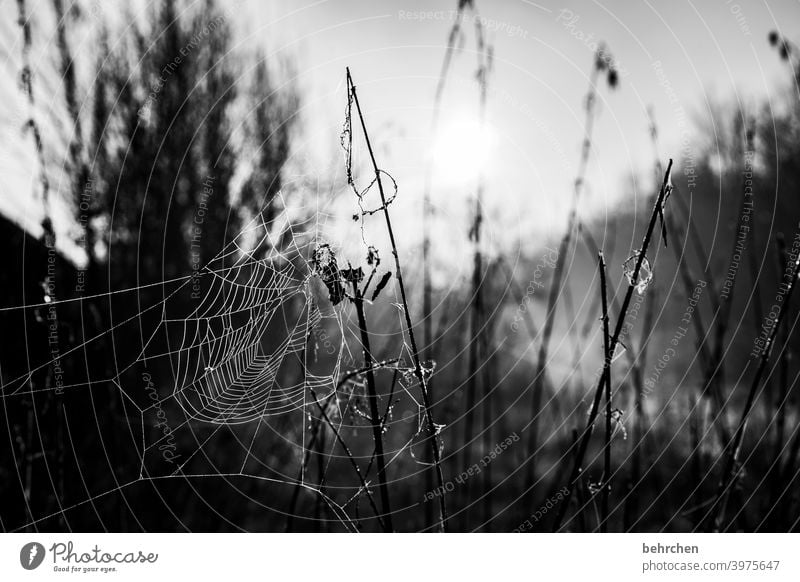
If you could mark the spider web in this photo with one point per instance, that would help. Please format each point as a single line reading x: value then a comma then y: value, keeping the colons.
x: 232, y: 346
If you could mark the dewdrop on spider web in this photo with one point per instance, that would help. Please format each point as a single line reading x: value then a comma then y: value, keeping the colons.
x: 619, y: 350
x: 645, y: 275
x: 428, y: 367
x: 594, y: 487
x: 619, y: 425
x: 419, y: 440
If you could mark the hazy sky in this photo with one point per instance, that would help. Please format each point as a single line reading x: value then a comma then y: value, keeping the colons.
x: 675, y: 56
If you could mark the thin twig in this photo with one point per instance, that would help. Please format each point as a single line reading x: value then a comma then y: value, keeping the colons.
x: 555, y: 285
x: 372, y: 398
x: 427, y: 212
x: 631, y: 508
x: 731, y: 472
x: 419, y: 373
x: 350, y: 457
x: 606, y: 490
x: 783, y: 377
x: 584, y: 445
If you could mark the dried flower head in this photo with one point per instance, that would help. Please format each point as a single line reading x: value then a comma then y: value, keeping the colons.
x: 327, y: 269
x: 773, y: 37
x: 352, y: 276
x: 613, y: 78
x: 604, y: 62
x: 373, y: 257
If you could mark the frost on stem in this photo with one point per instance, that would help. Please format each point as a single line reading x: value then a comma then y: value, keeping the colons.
x: 645, y: 275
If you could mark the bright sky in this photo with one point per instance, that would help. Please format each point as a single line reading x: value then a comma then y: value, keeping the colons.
x: 709, y: 50
x: 714, y: 49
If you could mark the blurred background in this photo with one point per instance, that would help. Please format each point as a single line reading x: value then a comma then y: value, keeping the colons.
x: 187, y: 194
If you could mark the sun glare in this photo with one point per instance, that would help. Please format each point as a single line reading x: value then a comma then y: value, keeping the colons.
x: 461, y: 149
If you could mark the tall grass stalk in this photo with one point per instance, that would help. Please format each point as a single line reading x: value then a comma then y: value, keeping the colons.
x: 539, y: 382
x: 716, y: 377
x: 788, y: 471
x: 32, y: 124
x: 49, y: 240
x: 427, y: 208
x: 783, y: 374
x: 632, y: 284
x: 711, y: 393
x: 315, y: 431
x: 520, y: 297
x: 372, y: 399
x: 427, y: 213
x: 716, y: 513
x: 364, y: 485
x: 318, y: 440
x: 606, y: 490
x: 631, y: 506
x: 478, y: 363
x: 418, y: 371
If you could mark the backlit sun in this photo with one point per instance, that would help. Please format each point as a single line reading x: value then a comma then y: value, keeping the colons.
x: 461, y: 149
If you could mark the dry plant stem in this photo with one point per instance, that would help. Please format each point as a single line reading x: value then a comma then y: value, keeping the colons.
x: 32, y: 124
x: 783, y: 395
x: 710, y: 390
x: 539, y: 382
x: 418, y: 372
x: 698, y: 248
x: 290, y: 514
x: 519, y: 298
x: 788, y: 471
x: 594, y: 248
x: 695, y: 439
x: 594, y: 306
x: 587, y: 433
x: 350, y: 457
x: 79, y: 166
x: 479, y: 348
x: 569, y: 312
x: 775, y: 474
x: 427, y: 293
x: 474, y: 357
x: 631, y: 507
x: 49, y: 239
x: 372, y: 398
x: 607, y: 375
x: 427, y: 338
x: 427, y: 211
x: 321, y: 478
x: 731, y: 471
x: 683, y: 208
x: 717, y: 371
x: 580, y: 493
x: 697, y: 421
x: 315, y: 433
x: 488, y: 421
